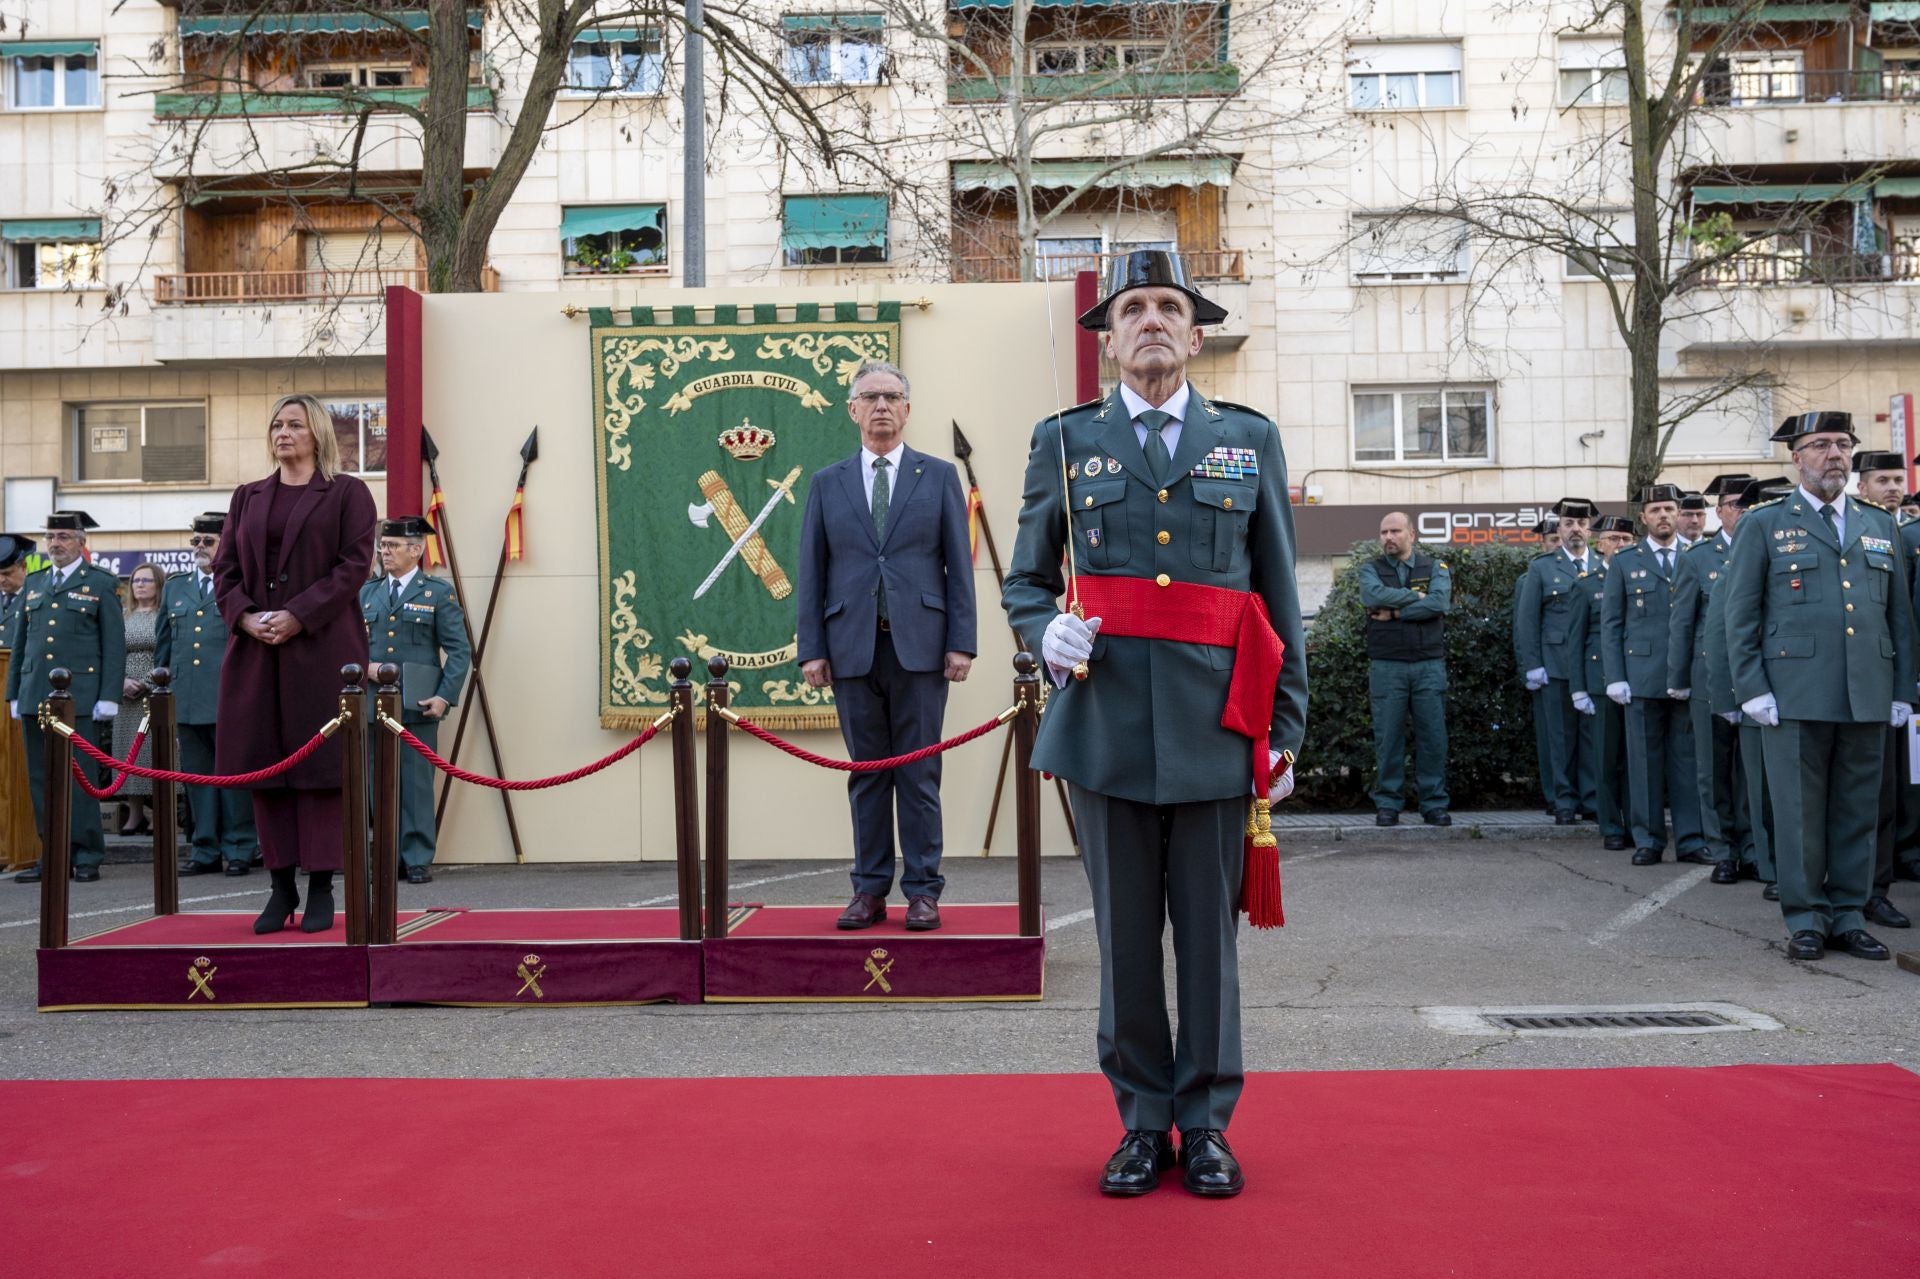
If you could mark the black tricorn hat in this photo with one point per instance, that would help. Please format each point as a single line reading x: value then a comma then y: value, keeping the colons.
x: 1693, y: 501
x: 1911, y: 499
x: 1546, y: 524
x: 406, y: 526
x: 1758, y: 491
x: 211, y: 522
x: 1151, y: 268
x: 73, y: 521
x: 1576, y: 508
x: 1815, y: 423
x: 1864, y: 462
x: 1613, y: 524
x: 14, y: 548
x: 1727, y: 485
x: 1660, y: 493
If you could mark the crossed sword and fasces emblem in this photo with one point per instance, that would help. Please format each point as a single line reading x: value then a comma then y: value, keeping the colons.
x: 530, y: 977
x: 200, y: 972
x: 879, y: 971
x: 747, y: 542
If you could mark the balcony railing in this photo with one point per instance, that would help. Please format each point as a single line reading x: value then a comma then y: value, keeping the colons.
x: 1202, y: 264
x: 1901, y: 264
x: 1758, y: 88
x: 197, y: 106
x: 1206, y: 82
x: 231, y: 288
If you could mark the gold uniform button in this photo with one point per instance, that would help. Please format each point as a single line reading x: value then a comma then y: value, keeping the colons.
x: 1849, y: 608
x: 1793, y: 568
x: 1849, y: 630
x: 1163, y: 537
x: 1847, y: 585
x: 1163, y: 580
x: 1162, y: 495
x: 56, y: 603
x: 1226, y: 504
x: 389, y: 634
x: 196, y: 661
x: 1843, y: 562
x: 196, y: 643
x: 197, y: 630
x: 1089, y: 501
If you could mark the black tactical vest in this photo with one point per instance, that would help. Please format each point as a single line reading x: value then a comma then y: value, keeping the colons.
x: 1398, y: 641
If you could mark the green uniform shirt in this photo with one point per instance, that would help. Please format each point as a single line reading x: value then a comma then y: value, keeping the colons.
x: 77, y: 625
x: 191, y: 642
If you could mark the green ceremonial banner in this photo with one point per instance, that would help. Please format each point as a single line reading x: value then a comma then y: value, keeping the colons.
x: 707, y: 436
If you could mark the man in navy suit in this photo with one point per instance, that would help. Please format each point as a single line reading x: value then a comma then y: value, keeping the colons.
x: 886, y: 619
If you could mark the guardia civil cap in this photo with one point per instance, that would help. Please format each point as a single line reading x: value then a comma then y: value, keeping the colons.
x: 1660, y: 493
x: 1864, y: 462
x: 1758, y: 491
x: 1613, y: 524
x: 406, y: 526
x: 211, y: 522
x: 1575, y: 508
x: 1546, y: 524
x: 1816, y: 423
x: 1151, y: 268
x: 14, y: 548
x: 1690, y: 501
x: 1910, y: 500
x: 1727, y: 485
x: 71, y: 521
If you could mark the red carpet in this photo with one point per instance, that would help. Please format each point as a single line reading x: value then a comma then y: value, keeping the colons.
x: 216, y: 928
x: 531, y: 926
x: 994, y: 920
x: 1722, y: 1174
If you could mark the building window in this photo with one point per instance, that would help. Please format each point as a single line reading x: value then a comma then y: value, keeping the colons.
x: 1593, y: 72
x: 614, y: 239
x: 1423, y: 424
x: 1739, y: 425
x: 1607, y: 240
x: 1409, y: 250
x: 845, y: 48
x: 1754, y: 78
x: 360, y: 426
x: 357, y: 75
x: 1077, y: 57
x: 1403, y: 76
x: 137, y: 443
x: 1776, y: 258
x: 830, y: 230
x: 52, y: 75
x: 617, y: 63
x: 51, y: 253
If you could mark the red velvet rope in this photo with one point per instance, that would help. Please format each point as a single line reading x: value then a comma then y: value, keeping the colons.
x: 195, y: 779
x: 867, y: 765
x: 538, y: 783
x: 113, y: 787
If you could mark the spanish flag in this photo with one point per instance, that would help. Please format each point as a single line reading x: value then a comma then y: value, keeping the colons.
x: 434, y: 558
x: 974, y: 508
x: 516, y: 545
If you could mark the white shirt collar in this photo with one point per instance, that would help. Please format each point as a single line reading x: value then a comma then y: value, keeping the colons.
x: 868, y: 457
x: 1175, y: 407
x: 1839, y: 504
x: 405, y: 581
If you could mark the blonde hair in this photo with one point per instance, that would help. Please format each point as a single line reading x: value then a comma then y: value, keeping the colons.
x: 326, y: 448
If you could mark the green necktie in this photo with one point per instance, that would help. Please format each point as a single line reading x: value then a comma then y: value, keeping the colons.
x: 1833, y: 521
x: 1158, y: 459
x: 881, y: 493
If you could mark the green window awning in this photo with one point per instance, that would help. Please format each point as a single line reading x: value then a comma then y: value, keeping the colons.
x: 278, y: 24
x: 833, y: 21
x: 1067, y: 175
x: 616, y: 35
x: 50, y: 49
x: 834, y: 222
x: 1719, y: 15
x: 50, y: 229
x: 1902, y: 11
x: 1806, y: 193
x: 1896, y: 187
x: 598, y: 219
x: 1065, y: 4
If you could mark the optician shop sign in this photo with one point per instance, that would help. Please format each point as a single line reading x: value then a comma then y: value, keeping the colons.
x: 1333, y: 530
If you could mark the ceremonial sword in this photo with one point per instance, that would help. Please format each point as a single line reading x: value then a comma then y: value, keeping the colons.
x: 1066, y: 496
x: 781, y: 488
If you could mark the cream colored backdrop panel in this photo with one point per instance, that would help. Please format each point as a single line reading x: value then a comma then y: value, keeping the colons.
x: 496, y: 364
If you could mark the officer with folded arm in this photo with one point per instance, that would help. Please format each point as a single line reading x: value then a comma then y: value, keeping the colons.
x: 1406, y: 593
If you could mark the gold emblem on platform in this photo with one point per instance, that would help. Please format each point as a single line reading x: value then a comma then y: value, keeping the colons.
x: 746, y: 441
x: 200, y: 972
x: 530, y: 971
x: 879, y: 964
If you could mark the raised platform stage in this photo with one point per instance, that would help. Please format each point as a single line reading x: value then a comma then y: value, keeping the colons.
x: 794, y: 954
x: 204, y: 960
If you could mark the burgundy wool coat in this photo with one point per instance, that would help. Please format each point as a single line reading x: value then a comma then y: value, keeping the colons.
x: 274, y: 697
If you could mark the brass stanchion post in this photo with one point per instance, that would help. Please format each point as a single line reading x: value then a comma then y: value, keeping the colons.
x: 166, y: 810
x: 718, y: 731
x: 1026, y: 791
x: 353, y: 800
x: 56, y: 854
x: 686, y: 815
x: 383, y: 926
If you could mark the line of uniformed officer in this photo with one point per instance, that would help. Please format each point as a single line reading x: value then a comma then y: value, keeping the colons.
x: 1550, y: 661
x: 1883, y: 481
x: 1610, y: 534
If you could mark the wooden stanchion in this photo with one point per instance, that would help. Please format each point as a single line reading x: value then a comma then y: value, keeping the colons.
x: 686, y: 813
x: 56, y: 854
x: 165, y: 748
x: 383, y: 926
x: 718, y: 732
x: 353, y: 800
x: 1026, y: 791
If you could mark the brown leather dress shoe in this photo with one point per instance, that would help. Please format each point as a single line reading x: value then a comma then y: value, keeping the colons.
x: 864, y: 911
x: 923, y: 914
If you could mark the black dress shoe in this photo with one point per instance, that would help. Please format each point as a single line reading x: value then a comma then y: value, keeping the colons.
x: 1565, y: 817
x: 1614, y: 843
x: 1861, y: 944
x: 1438, y: 817
x: 1698, y: 857
x: 1884, y: 913
x: 236, y: 869
x: 1387, y: 817
x: 419, y: 875
x: 1725, y: 872
x: 1806, y: 944
x: 200, y: 868
x: 86, y: 874
x: 864, y: 911
x: 1647, y: 856
x: 1587, y: 815
x: 1771, y: 892
x: 1211, y: 1169
x: 1136, y: 1167
x: 31, y: 875
x: 1749, y: 870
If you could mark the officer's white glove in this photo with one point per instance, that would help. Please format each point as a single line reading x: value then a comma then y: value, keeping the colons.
x: 1281, y: 788
x: 1762, y: 710
x: 105, y: 710
x: 1732, y: 717
x: 14, y: 706
x: 1583, y: 702
x: 1679, y: 694
x: 1536, y: 679
x: 1902, y: 712
x: 1620, y: 693
x: 1067, y: 642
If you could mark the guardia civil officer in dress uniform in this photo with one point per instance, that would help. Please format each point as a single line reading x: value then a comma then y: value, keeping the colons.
x: 1691, y: 523
x: 1883, y: 481
x: 1716, y: 741
x: 70, y: 617
x: 15, y: 551
x: 414, y: 622
x: 1171, y: 506
x: 1547, y: 529
x: 1549, y: 661
x: 1406, y: 593
x: 1906, y: 853
x: 1756, y: 856
x: 1633, y: 649
x: 191, y: 642
x: 1610, y: 534
x: 1820, y: 636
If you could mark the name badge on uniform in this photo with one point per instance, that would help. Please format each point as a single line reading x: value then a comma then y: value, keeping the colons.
x: 1227, y: 464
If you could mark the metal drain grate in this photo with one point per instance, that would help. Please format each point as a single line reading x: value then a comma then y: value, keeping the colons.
x: 1633, y: 1019
x: 1489, y: 1021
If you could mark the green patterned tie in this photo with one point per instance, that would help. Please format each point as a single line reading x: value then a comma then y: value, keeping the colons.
x: 881, y: 494
x: 1158, y: 459
x: 1833, y: 521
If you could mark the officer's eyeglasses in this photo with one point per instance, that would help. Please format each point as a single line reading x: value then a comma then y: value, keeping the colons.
x: 888, y: 398
x: 1826, y: 446
x: 203, y: 541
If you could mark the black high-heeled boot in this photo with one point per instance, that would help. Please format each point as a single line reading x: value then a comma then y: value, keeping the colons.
x: 319, y: 914
x: 281, y: 904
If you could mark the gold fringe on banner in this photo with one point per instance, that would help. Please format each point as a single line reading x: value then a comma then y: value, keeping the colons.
x: 810, y: 719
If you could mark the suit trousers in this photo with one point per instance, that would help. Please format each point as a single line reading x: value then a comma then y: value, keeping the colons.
x: 86, y: 838
x: 1148, y: 864
x: 1753, y: 763
x: 1574, y: 741
x: 299, y: 828
x: 222, y: 817
x: 891, y: 711
x: 1399, y: 692
x: 1719, y: 782
x: 1611, y: 767
x: 1660, y: 775
x: 1824, y: 779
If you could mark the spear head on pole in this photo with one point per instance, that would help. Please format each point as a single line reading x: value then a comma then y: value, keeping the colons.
x: 531, y: 449
x: 428, y: 449
x: 963, y: 449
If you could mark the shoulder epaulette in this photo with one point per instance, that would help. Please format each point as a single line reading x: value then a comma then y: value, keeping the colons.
x: 1229, y: 404
x: 1761, y: 506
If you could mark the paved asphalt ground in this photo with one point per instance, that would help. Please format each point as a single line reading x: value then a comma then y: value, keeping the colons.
x: 1379, y: 929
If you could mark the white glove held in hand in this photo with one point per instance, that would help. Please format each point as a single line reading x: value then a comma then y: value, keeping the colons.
x: 1732, y: 717
x: 1282, y: 787
x: 1068, y: 641
x: 1620, y: 694
x: 1536, y: 679
x: 1763, y: 710
x: 1902, y: 712
x: 1679, y: 694
x: 105, y: 710
x: 1583, y: 702
x: 14, y: 706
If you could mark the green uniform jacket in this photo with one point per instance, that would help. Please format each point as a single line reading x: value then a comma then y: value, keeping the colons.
x: 191, y: 642
x: 1828, y: 630
x: 1413, y: 606
x: 1719, y: 668
x: 426, y: 624
x: 7, y: 611
x: 1583, y: 629
x: 1700, y: 568
x: 1634, y: 620
x: 1542, y: 611
x: 1910, y: 552
x: 80, y: 627
x: 1146, y: 725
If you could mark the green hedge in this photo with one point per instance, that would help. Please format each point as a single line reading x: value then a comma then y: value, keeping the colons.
x: 1490, y: 753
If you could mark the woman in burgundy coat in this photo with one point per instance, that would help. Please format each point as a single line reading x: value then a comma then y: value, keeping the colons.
x: 297, y: 548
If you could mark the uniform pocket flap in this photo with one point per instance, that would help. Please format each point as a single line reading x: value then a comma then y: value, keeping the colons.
x: 1886, y: 647
x: 934, y: 599
x: 1093, y: 496
x: 1882, y: 562
x: 1639, y: 648
x: 1801, y: 562
x: 1225, y: 495
x: 1791, y: 646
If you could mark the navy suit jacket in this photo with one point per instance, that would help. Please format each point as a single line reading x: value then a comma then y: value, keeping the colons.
x: 923, y: 558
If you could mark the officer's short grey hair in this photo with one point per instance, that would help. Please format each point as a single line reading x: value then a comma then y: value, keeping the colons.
x: 869, y: 368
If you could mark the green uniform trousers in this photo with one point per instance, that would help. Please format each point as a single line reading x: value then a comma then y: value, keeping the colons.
x: 1660, y: 775
x: 1824, y: 780
x: 1890, y: 845
x: 1542, y: 753
x: 1611, y: 767
x: 418, y: 833
x: 1574, y: 742
x: 87, y: 840
x: 1721, y: 784
x: 1759, y: 802
x: 222, y: 816
x: 1403, y: 691
x: 1149, y: 864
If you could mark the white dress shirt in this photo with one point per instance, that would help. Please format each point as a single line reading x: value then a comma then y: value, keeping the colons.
x: 403, y: 581
x: 1176, y: 405
x: 868, y: 457
x: 1839, y: 505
